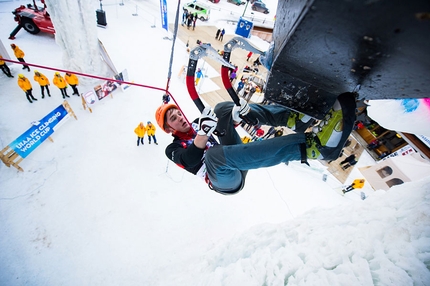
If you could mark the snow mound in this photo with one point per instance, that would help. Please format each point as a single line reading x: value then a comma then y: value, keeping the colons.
x: 377, y: 241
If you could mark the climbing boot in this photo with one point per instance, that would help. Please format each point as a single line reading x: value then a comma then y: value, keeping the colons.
x: 329, y: 136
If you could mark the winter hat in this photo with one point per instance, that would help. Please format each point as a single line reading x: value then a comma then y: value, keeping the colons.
x: 149, y: 122
x: 21, y: 75
x: 161, y: 113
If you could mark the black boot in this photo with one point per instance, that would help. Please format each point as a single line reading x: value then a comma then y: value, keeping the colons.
x: 43, y: 96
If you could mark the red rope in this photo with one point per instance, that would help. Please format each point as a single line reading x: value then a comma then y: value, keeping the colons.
x: 102, y: 78
x: 86, y: 75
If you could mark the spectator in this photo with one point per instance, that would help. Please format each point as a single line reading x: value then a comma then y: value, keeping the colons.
x: 373, y: 144
x: 221, y: 36
x: 73, y: 81
x: 279, y: 132
x: 189, y: 20
x: 150, y: 130
x: 246, y: 139
x: 349, y: 164
x: 270, y: 132
x: 348, y: 159
x: 240, y: 86
x: 140, y: 131
x: 232, y: 76
x: 194, y: 21
x: 43, y: 82
x: 184, y: 17
x: 199, y: 75
x: 357, y: 184
x: 251, y: 91
x: 60, y: 82
x: 248, y: 56
x: 25, y: 85
x: 258, y: 134
x: 218, y: 32
x: 4, y: 67
x: 19, y: 54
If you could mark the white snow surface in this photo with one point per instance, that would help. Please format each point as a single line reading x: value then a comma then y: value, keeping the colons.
x: 92, y: 208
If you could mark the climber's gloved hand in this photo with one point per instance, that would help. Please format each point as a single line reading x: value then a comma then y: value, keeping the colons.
x: 239, y: 111
x: 207, y: 122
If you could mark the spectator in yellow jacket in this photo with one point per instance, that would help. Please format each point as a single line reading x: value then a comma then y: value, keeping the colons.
x: 150, y: 130
x: 19, y: 54
x: 43, y: 82
x: 356, y: 184
x: 4, y: 67
x: 73, y: 81
x: 60, y: 82
x: 25, y: 85
x: 140, y: 131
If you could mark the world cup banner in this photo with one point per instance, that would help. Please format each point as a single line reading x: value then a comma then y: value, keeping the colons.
x: 39, y: 132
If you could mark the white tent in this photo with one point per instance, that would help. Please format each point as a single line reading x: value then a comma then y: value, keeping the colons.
x: 396, y: 170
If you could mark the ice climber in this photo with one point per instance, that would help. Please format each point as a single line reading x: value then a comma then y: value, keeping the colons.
x: 224, y: 165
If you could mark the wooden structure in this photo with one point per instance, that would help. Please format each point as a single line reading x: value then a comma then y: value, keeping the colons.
x: 85, y: 104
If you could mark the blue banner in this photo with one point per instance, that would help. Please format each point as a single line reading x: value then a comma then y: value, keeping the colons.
x: 163, y: 10
x: 33, y: 137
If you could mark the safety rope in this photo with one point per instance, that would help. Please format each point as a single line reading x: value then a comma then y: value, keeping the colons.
x: 98, y: 77
x: 175, y: 32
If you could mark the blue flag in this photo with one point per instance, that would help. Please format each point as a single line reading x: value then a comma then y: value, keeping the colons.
x: 163, y: 10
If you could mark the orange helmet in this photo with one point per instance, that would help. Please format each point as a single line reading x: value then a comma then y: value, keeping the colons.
x: 160, y: 114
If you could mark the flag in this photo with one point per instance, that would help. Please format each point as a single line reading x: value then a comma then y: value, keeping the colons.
x: 163, y: 10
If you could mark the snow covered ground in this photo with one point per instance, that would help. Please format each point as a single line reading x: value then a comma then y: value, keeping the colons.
x: 92, y: 208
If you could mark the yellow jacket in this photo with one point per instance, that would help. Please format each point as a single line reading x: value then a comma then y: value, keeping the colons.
x: 41, y: 79
x: 150, y: 129
x: 246, y: 139
x: 358, y: 183
x: 1, y: 61
x: 72, y: 79
x: 59, y: 81
x: 140, y: 130
x: 19, y: 54
x: 24, y: 84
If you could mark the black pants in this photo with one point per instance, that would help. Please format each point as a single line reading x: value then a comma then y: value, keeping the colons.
x: 140, y: 140
x: 75, y: 89
x: 64, y: 92
x: 6, y: 70
x: 42, y: 88
x: 29, y: 95
x: 23, y: 66
x: 349, y: 188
